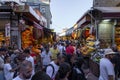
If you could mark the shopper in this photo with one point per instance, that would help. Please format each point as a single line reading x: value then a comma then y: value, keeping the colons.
x: 40, y: 75
x: 77, y: 72
x: 54, y: 51
x: 106, y: 66
x: 30, y: 58
x: 116, y: 61
x: 2, y: 54
x: 63, y: 72
x: 70, y: 49
x: 8, y: 71
x: 25, y: 71
x: 46, y: 56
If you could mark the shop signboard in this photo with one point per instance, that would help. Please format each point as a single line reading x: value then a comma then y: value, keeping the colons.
x: 7, y: 34
x: 7, y: 30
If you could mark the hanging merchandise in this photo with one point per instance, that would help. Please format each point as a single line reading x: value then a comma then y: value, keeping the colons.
x: 74, y: 35
x: 87, y: 33
x: 117, y: 36
x: 2, y: 38
x: 27, y: 37
x: 35, y: 49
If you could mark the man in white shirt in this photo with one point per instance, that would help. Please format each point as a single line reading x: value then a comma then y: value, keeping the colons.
x: 106, y: 66
x: 30, y: 58
x: 25, y: 71
x: 2, y: 54
x: 1, y: 68
x: 46, y: 56
x: 8, y: 71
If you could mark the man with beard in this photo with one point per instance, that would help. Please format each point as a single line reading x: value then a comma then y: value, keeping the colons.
x: 106, y: 66
x: 25, y: 71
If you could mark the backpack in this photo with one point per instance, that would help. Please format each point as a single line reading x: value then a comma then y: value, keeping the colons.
x: 78, y: 75
x: 45, y: 69
x: 63, y: 51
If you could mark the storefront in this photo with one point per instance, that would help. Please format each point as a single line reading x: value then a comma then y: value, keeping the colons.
x: 5, y: 20
x: 49, y: 36
x: 19, y: 18
x: 107, y: 30
x: 108, y: 26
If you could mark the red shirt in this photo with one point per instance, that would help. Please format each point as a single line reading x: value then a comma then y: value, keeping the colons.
x: 70, y: 50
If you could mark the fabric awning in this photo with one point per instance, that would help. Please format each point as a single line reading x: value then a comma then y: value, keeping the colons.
x: 109, y: 12
x: 108, y: 9
x: 38, y: 26
x: 84, y: 21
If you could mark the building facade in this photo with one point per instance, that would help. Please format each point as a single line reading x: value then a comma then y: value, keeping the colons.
x: 106, y: 3
x: 15, y: 18
x: 44, y: 7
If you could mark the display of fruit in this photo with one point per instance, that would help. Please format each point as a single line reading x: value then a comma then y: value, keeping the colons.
x: 87, y: 50
x: 27, y: 38
x: 90, y: 43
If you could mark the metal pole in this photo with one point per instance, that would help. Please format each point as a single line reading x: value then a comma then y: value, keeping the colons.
x: 11, y: 29
x: 95, y: 24
x: 113, y: 37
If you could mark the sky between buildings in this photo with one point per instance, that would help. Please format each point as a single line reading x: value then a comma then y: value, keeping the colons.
x: 65, y: 13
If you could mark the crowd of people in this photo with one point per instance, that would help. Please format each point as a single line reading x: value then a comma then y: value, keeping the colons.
x: 61, y: 60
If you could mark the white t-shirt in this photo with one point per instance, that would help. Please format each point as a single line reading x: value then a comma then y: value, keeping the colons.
x: 18, y: 78
x: 1, y: 62
x: 106, y: 68
x: 49, y: 70
x: 8, y: 75
x: 30, y: 58
x: 46, y: 57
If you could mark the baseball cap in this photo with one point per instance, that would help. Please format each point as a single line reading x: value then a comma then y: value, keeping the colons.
x: 109, y: 51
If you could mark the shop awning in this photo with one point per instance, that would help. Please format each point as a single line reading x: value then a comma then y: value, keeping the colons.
x: 108, y: 9
x: 84, y: 21
x: 109, y: 12
x: 62, y: 34
x: 38, y: 26
x: 69, y: 31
